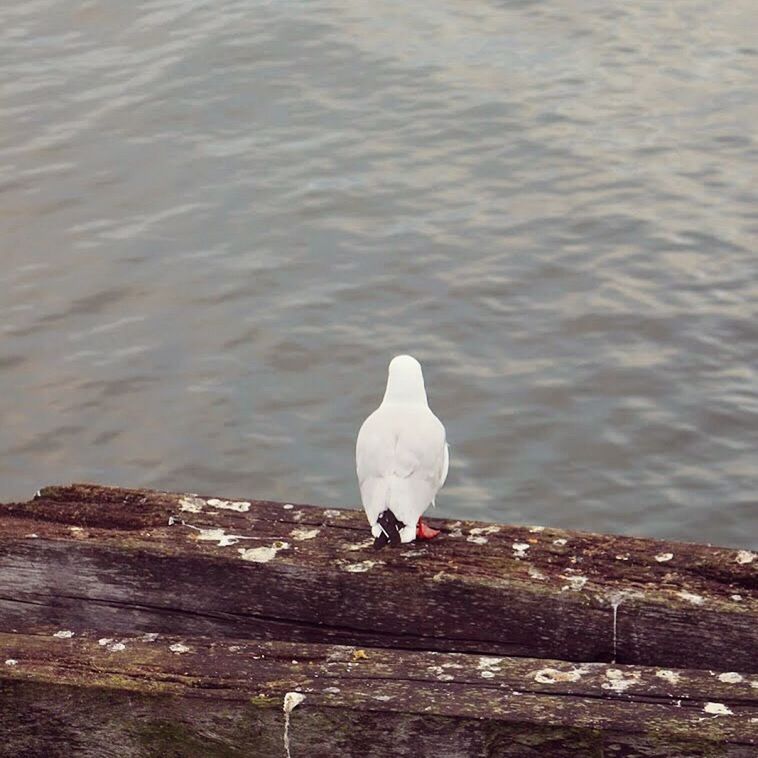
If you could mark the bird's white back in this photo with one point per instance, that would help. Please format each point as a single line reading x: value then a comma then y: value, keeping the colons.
x: 401, y: 452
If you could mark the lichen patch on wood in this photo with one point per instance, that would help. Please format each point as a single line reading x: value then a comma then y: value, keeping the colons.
x: 364, y: 545
x: 620, y: 680
x: 241, y: 506
x: 262, y: 554
x: 691, y: 597
x: 575, y: 583
x: 717, y: 709
x: 361, y: 567
x: 219, y: 536
x: 191, y: 504
x: 554, y: 676
x: 304, y: 534
x: 519, y: 549
x: 670, y: 676
x: 730, y: 677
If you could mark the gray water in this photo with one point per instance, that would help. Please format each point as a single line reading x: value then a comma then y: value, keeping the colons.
x: 220, y: 220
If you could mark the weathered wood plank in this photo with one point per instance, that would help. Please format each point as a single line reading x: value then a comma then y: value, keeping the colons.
x: 90, y: 557
x: 358, y: 701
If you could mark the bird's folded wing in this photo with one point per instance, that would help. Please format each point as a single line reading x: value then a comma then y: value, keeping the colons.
x: 401, y: 460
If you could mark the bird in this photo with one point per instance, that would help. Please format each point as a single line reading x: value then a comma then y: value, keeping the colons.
x: 401, y: 458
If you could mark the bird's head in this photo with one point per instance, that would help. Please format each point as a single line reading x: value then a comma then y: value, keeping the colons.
x: 405, y: 381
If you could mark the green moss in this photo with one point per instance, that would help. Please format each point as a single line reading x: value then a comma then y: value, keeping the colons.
x: 709, y: 730
x: 108, y: 684
x: 265, y: 701
x: 665, y: 745
x: 503, y: 739
x: 175, y: 740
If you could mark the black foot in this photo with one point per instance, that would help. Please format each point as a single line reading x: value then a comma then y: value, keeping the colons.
x: 381, y: 541
x: 390, y: 529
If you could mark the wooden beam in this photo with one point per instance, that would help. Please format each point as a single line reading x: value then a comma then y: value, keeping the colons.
x: 151, y: 694
x: 88, y: 557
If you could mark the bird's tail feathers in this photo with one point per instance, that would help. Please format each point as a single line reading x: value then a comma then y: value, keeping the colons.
x: 390, y: 526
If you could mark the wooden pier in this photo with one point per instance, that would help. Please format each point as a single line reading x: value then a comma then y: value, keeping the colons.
x: 141, y: 623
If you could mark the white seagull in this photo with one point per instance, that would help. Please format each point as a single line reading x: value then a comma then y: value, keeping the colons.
x: 401, y: 458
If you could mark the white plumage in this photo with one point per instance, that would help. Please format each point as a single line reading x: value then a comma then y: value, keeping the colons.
x: 401, y: 454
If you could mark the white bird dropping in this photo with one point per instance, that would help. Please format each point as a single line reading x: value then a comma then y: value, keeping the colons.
x: 401, y: 457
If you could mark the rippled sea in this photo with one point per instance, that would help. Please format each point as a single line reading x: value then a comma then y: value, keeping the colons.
x: 220, y: 220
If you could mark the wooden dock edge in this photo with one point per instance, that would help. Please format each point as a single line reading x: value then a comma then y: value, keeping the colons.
x: 154, y: 623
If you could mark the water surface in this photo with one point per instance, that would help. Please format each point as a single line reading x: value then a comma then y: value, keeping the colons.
x: 220, y: 220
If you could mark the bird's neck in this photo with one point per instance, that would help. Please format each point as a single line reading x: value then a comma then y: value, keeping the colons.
x: 405, y: 395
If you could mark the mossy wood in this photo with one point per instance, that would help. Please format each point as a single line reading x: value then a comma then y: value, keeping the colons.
x: 622, y: 641
x: 138, y: 695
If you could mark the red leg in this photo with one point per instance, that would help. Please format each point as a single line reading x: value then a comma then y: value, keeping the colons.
x: 424, y: 532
